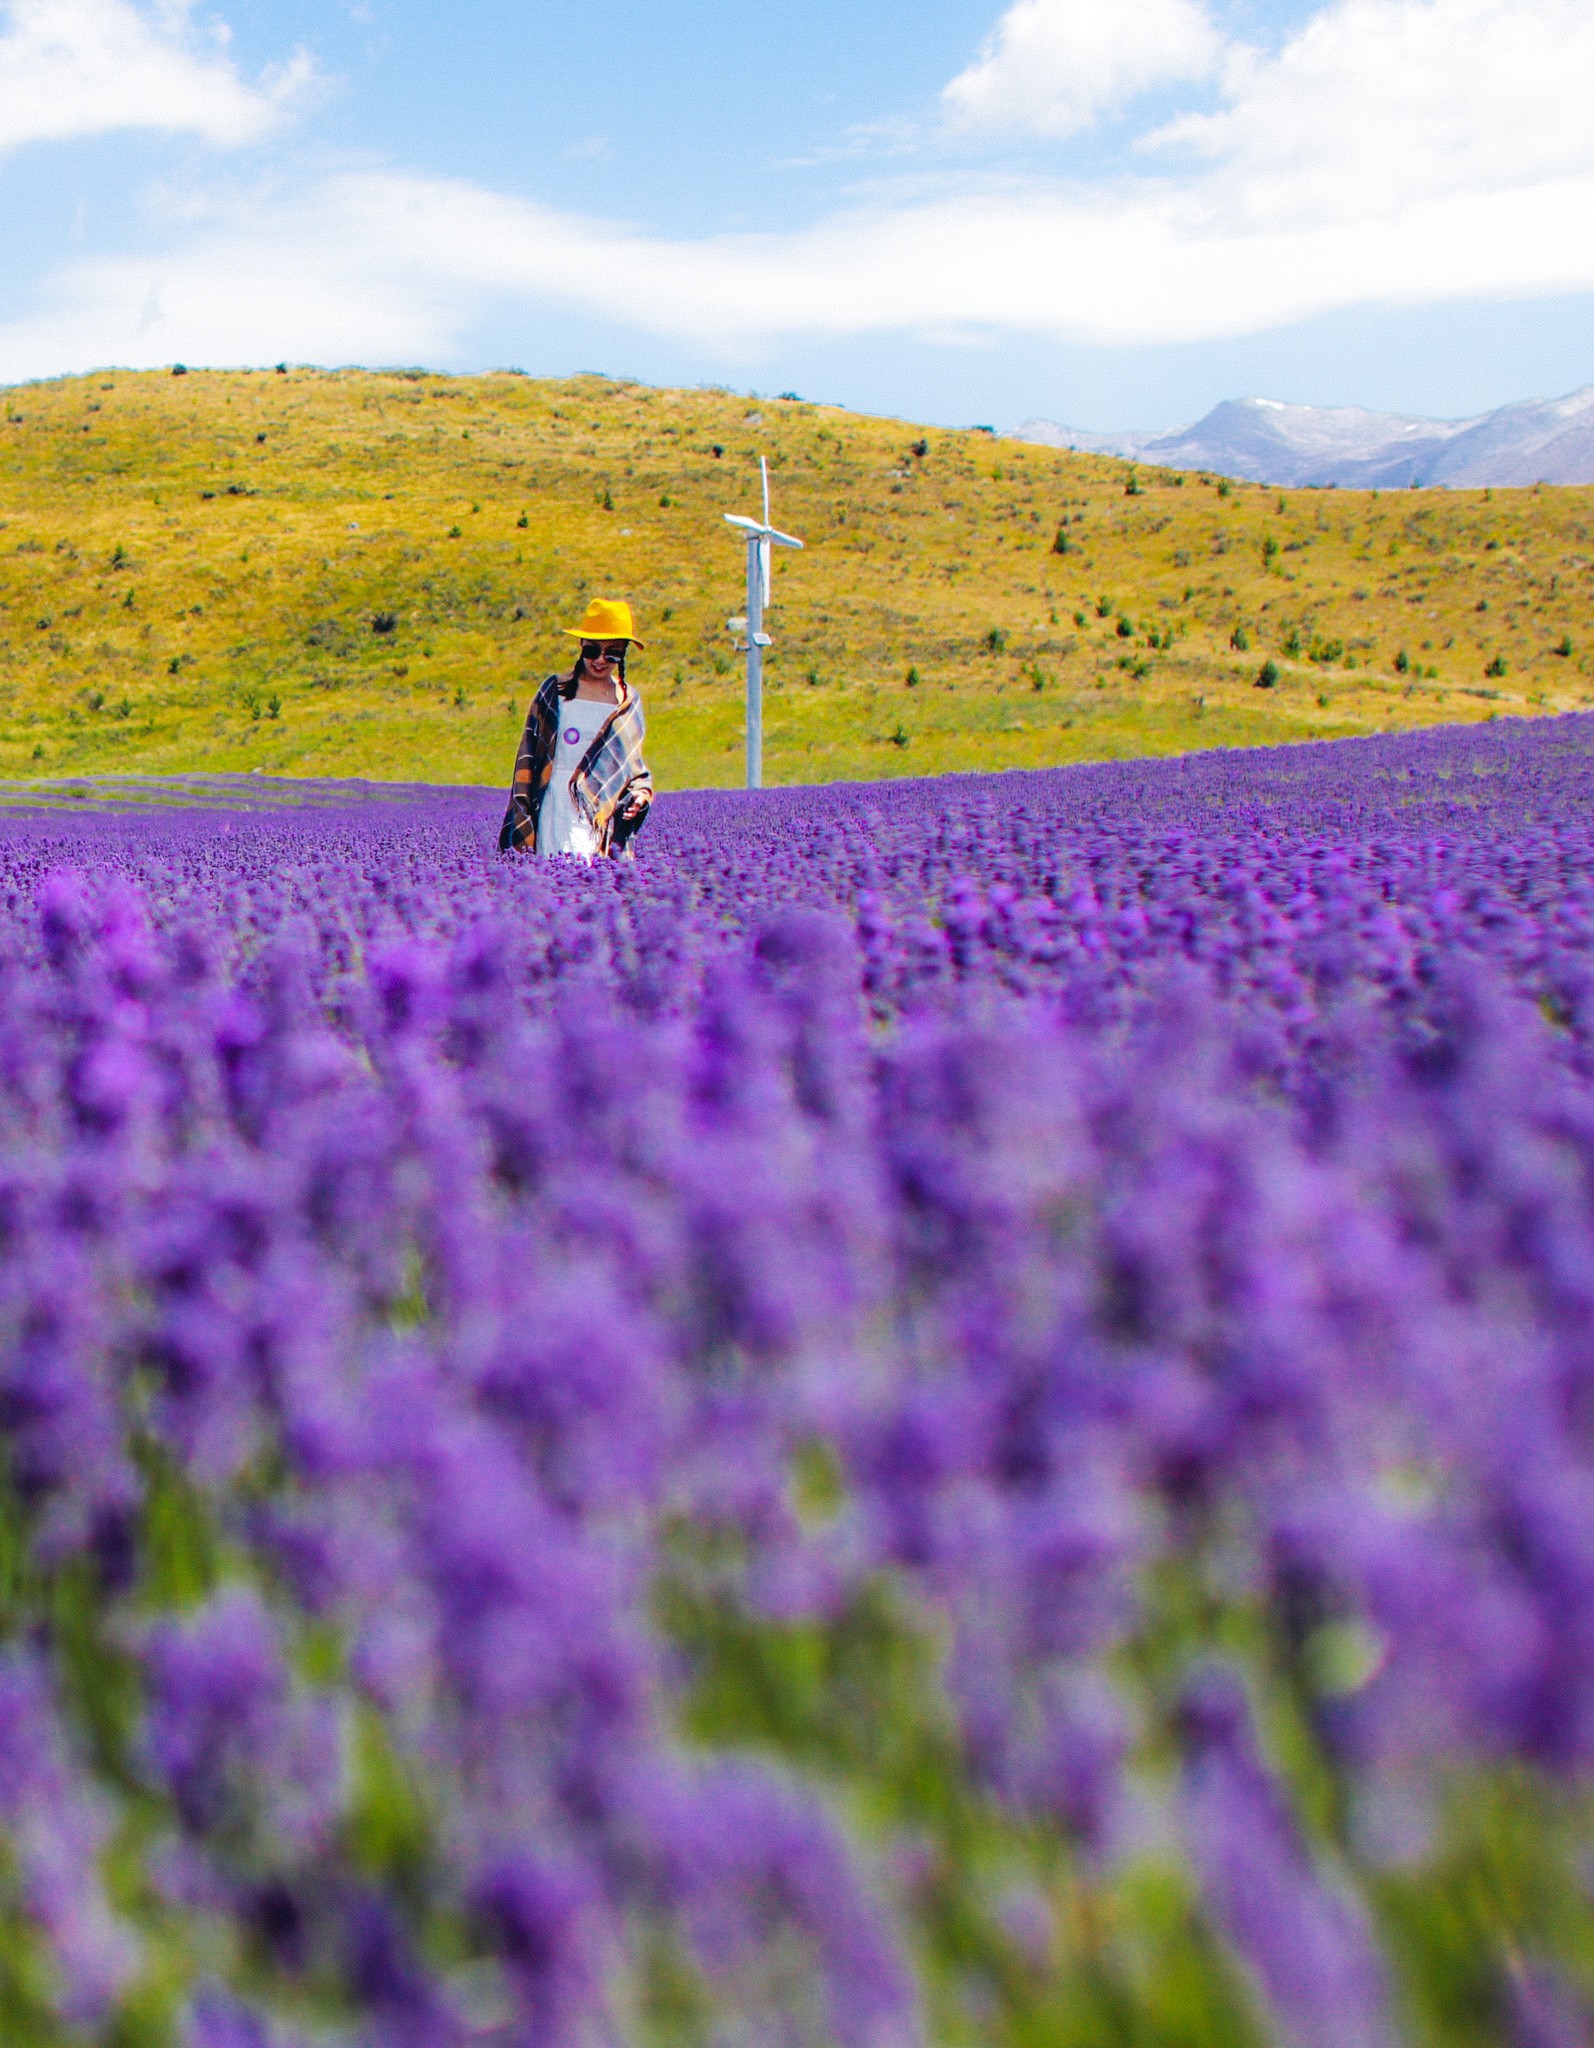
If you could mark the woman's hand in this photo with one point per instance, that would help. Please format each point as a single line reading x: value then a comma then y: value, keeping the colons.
x: 630, y: 813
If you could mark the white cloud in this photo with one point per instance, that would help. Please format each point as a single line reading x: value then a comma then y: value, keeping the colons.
x: 1375, y: 104
x: 1051, y: 67
x: 85, y: 67
x: 379, y: 268
x: 1395, y: 151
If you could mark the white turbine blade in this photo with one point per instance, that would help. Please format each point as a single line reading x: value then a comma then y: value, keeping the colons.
x: 763, y: 567
x: 763, y: 468
x: 781, y: 540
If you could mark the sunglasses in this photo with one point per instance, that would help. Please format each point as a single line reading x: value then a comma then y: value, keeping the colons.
x: 596, y: 650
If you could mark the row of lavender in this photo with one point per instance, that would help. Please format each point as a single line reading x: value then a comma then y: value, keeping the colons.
x: 960, y: 1411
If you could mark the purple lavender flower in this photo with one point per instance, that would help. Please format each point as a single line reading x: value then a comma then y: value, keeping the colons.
x: 215, y: 1681
x: 1304, y: 1938
x: 545, y: 1920
x: 1543, y: 2012
x: 218, y: 2020
x: 57, y: 1825
x: 746, y: 1856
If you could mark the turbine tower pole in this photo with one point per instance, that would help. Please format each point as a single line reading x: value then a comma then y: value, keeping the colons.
x: 756, y: 637
x: 760, y: 537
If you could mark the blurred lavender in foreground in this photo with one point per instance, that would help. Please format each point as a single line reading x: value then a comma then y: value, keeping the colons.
x: 946, y: 1411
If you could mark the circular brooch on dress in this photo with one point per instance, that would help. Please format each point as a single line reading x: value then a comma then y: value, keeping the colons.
x: 572, y: 735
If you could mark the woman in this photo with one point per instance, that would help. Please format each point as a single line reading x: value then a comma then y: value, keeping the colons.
x: 581, y: 785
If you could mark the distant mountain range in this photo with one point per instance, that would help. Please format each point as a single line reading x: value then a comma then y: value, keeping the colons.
x: 1539, y: 441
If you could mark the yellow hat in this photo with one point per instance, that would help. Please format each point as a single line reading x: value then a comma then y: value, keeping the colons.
x: 607, y: 619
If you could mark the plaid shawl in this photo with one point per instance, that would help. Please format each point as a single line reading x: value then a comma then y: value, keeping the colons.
x: 611, y: 785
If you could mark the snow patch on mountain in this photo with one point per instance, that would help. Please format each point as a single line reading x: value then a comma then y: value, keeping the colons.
x: 1266, y: 441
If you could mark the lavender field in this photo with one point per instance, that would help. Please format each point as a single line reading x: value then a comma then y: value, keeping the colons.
x: 955, y: 1412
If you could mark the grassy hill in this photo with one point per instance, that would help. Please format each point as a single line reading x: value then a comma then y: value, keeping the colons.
x: 357, y: 573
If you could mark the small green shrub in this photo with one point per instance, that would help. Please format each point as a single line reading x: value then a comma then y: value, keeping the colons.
x: 1267, y: 675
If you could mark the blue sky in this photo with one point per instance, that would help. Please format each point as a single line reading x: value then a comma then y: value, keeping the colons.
x: 1104, y: 212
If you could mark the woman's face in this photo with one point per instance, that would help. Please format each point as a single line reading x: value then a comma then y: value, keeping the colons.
x: 602, y: 658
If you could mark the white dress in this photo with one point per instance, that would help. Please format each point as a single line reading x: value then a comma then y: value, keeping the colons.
x: 561, y: 828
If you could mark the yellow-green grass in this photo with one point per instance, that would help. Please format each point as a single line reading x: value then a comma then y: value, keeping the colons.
x: 190, y: 568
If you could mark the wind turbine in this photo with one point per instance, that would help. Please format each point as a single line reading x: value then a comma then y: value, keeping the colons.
x: 761, y: 536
